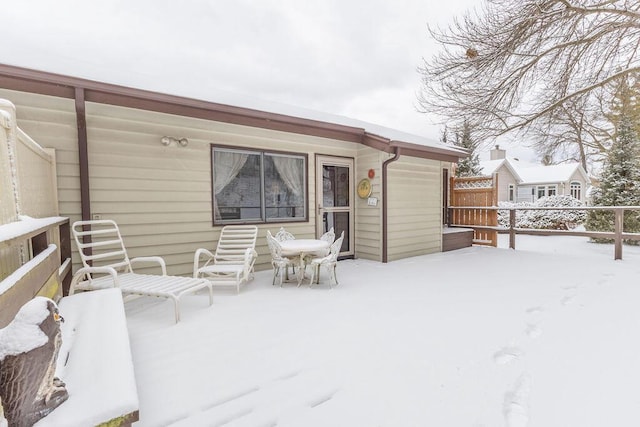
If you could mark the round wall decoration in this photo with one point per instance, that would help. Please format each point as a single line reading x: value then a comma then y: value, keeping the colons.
x: 364, y: 188
x: 372, y: 173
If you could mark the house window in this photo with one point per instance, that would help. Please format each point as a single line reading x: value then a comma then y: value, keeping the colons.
x: 547, y: 190
x: 512, y: 191
x: 576, y: 190
x: 258, y: 186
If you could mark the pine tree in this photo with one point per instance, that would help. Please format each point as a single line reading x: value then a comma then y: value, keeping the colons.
x: 469, y: 166
x: 620, y: 182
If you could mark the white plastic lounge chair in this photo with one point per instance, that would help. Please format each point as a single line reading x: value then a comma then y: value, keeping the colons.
x: 328, y: 261
x: 106, y: 264
x: 232, y: 263
x: 280, y: 264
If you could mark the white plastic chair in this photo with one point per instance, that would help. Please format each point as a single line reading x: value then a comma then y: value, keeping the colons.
x: 232, y: 263
x: 280, y: 264
x: 283, y: 235
x: 106, y: 265
x: 329, y: 236
x: 328, y: 261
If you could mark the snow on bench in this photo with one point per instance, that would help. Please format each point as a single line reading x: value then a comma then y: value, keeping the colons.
x: 95, y: 363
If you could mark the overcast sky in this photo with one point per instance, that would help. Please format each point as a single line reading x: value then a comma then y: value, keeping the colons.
x: 353, y: 58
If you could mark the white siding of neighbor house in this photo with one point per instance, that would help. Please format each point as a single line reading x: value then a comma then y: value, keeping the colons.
x: 160, y: 196
x: 524, y: 193
x: 577, y: 176
x: 368, y: 224
x: 414, y: 215
x: 505, y: 178
x: 563, y: 188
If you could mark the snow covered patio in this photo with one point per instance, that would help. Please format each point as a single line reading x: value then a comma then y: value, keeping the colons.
x: 542, y: 336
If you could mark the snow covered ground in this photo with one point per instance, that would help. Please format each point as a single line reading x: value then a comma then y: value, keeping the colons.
x: 546, y: 335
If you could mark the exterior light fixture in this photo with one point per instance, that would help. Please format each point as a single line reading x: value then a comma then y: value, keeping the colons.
x: 172, y: 140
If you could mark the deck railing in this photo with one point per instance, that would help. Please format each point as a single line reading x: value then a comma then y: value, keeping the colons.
x: 618, y: 235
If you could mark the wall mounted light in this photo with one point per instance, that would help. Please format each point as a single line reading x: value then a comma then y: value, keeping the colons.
x: 172, y: 140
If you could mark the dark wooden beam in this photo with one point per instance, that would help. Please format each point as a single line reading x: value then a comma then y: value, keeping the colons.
x: 83, y: 154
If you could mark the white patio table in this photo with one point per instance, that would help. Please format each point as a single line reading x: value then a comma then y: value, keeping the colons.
x: 300, y: 249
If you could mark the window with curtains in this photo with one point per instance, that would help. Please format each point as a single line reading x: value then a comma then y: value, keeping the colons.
x: 258, y: 186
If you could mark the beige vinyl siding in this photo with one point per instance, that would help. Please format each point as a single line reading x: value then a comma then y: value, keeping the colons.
x: 161, y: 195
x: 415, y: 208
x: 368, y: 221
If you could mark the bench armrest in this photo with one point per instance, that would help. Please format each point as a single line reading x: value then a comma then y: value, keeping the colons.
x: 156, y: 259
x: 84, y: 271
x: 196, y: 259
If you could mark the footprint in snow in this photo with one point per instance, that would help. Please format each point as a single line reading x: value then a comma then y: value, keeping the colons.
x: 535, y: 310
x: 507, y: 355
x: 568, y: 299
x: 516, y: 403
x: 533, y: 331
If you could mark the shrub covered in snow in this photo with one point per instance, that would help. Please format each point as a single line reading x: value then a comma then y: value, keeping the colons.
x: 544, y: 219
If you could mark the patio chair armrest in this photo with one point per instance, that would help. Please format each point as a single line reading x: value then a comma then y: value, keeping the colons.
x: 89, y: 270
x: 196, y: 259
x: 156, y: 259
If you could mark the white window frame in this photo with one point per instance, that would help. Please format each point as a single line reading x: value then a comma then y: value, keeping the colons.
x: 511, y: 193
x: 575, y: 189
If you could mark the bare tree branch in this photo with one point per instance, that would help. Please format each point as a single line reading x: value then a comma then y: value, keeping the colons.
x: 513, y: 62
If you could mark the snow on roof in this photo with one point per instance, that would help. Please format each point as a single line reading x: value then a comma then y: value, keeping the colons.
x: 551, y: 173
x: 530, y: 173
x: 490, y: 166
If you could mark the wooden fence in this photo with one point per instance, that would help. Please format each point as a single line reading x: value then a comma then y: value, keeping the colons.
x: 477, y: 194
x: 618, y: 235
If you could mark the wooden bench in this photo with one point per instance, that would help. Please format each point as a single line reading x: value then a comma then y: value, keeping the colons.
x: 95, y: 363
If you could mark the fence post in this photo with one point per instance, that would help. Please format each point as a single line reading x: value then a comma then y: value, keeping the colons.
x: 617, y: 226
x: 512, y: 225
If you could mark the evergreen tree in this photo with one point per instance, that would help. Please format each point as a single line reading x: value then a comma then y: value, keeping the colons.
x: 464, y: 139
x: 620, y: 182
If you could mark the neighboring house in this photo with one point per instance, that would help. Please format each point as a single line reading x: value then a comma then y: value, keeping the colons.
x: 526, y: 182
x: 172, y: 169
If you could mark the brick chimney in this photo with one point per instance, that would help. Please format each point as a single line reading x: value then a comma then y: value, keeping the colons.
x: 498, y: 153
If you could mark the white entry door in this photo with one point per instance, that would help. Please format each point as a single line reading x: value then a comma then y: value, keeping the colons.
x: 335, y: 199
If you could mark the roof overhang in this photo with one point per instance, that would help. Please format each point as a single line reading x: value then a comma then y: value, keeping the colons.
x: 46, y: 83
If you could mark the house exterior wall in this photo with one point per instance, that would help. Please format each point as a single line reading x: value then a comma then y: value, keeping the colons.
x: 161, y: 195
x: 577, y: 177
x: 529, y: 192
x: 505, y: 178
x: 414, y: 212
x: 525, y: 193
x: 368, y: 221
